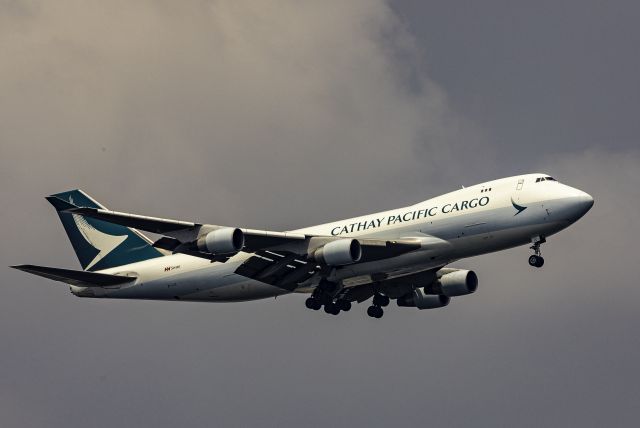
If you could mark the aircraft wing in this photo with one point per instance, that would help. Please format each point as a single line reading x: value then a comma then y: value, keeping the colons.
x: 180, y: 232
x: 76, y: 277
x: 286, y: 269
x: 283, y: 259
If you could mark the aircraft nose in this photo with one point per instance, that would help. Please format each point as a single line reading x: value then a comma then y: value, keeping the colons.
x: 582, y: 203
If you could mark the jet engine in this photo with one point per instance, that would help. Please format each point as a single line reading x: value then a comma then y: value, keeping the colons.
x: 222, y: 241
x: 457, y: 283
x: 418, y: 299
x: 339, y: 252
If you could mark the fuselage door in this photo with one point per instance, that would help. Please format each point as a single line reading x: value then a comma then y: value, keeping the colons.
x: 520, y: 184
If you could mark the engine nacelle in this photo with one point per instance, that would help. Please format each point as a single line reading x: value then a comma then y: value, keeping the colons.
x: 222, y: 241
x: 339, y: 252
x: 418, y: 299
x: 457, y: 283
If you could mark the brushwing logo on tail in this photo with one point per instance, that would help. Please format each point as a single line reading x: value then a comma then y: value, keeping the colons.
x: 101, y: 241
x: 519, y: 208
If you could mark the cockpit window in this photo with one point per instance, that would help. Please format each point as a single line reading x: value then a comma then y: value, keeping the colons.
x: 539, y: 179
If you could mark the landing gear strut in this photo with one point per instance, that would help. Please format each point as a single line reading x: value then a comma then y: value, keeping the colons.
x: 324, y: 294
x: 375, y: 310
x: 319, y: 297
x: 380, y: 300
x: 536, y: 259
x: 344, y: 305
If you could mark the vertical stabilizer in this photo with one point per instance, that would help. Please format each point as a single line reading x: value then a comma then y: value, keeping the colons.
x: 98, y: 244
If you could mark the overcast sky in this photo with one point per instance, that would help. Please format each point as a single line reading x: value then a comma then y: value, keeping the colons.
x: 283, y: 114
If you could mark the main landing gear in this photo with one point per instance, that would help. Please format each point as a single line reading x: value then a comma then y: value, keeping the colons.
x: 324, y: 295
x: 536, y: 259
x: 313, y: 303
x: 379, y: 301
x: 335, y: 307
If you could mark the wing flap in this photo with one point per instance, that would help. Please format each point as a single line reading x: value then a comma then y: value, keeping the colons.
x: 281, y: 269
x: 181, y: 237
x: 76, y: 277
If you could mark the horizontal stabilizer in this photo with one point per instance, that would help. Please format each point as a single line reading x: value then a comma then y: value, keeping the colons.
x: 76, y: 277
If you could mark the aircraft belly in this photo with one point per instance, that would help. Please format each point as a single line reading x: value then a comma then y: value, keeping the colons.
x: 242, y: 290
x: 215, y: 283
x: 501, y: 239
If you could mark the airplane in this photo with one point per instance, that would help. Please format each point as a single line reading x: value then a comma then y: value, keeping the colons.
x: 400, y: 254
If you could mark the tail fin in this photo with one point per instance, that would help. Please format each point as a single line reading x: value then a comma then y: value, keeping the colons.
x: 98, y: 244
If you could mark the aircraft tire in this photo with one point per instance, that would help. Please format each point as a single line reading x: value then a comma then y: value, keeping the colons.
x: 375, y: 311
x: 536, y: 261
x: 331, y: 308
x: 312, y: 304
x: 380, y: 300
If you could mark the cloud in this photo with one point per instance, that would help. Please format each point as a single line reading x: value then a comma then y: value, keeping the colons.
x: 277, y: 115
x: 238, y: 102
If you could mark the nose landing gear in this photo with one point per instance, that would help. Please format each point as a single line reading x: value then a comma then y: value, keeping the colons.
x: 536, y: 259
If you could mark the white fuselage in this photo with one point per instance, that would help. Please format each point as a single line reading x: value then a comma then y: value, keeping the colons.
x: 475, y: 220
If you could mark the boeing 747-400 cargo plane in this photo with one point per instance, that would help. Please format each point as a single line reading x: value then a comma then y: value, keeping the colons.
x: 398, y: 254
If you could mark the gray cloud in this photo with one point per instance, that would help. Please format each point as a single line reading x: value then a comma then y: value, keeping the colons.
x: 281, y: 115
x: 211, y: 99
x: 545, y: 75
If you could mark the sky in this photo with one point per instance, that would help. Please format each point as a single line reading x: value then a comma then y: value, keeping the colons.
x: 284, y: 114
